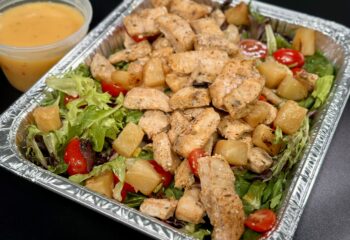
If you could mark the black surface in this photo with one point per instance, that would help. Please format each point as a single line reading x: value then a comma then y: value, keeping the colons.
x: 28, y: 211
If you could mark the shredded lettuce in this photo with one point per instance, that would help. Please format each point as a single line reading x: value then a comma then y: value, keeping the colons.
x: 173, y: 193
x: 252, y: 199
x: 116, y: 165
x: 282, y: 42
x: 33, y: 147
x: 319, y: 65
x: 278, y: 136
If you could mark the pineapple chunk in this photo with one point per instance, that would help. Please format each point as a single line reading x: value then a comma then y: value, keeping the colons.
x: 238, y: 15
x: 102, y: 184
x: 153, y: 74
x: 290, y: 117
x: 143, y: 177
x: 305, y: 41
x: 128, y: 140
x: 263, y: 138
x: 292, y: 89
x: 273, y: 72
x: 47, y: 118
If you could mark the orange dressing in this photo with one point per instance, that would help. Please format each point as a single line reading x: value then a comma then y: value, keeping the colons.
x: 32, y: 25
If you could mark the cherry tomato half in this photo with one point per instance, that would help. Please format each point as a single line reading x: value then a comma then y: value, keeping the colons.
x: 126, y: 188
x: 73, y: 156
x: 113, y: 89
x: 290, y: 57
x: 261, y: 220
x: 253, y: 48
x: 67, y: 99
x: 167, y: 177
x: 193, y: 159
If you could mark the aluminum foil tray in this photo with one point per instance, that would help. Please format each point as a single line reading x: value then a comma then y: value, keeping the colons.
x: 333, y: 39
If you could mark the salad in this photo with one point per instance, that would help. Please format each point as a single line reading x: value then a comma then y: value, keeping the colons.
x: 198, y: 120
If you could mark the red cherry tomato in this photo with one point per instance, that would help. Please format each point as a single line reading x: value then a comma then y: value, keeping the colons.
x: 67, y: 99
x: 296, y: 70
x: 74, y: 157
x: 290, y: 57
x: 253, y: 48
x: 126, y: 188
x: 167, y: 177
x: 193, y: 159
x: 113, y: 89
x: 261, y: 220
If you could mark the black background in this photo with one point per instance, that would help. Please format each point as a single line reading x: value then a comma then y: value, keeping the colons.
x: 28, y: 211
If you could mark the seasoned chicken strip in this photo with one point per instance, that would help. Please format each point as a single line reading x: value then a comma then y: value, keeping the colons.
x: 205, y: 62
x: 215, y: 42
x: 259, y: 160
x: 176, y: 82
x: 154, y: 122
x: 184, y: 177
x: 225, y: 83
x: 206, y: 26
x: 163, y: 153
x: 192, y: 113
x: 159, y: 208
x: 189, y: 207
x: 189, y: 9
x: 160, y: 3
x: 233, y: 129
x: 198, y: 133
x: 218, y: 16
x: 135, y: 52
x: 147, y: 99
x: 177, y: 31
x: 190, y: 97
x: 142, y: 23
x: 209, y: 146
x: 179, y: 124
x: 222, y: 204
x: 100, y: 68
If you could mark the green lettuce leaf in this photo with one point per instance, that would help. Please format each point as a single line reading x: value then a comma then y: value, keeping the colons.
x: 116, y: 165
x: 254, y: 195
x: 133, y: 116
x: 322, y: 90
x: 278, y: 136
x: 319, y: 65
x: 33, y: 151
x: 250, y: 235
x: 270, y: 39
x: 173, y: 193
x: 282, y: 42
x: 196, y: 231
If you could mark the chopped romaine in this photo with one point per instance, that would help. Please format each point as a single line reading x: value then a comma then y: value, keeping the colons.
x: 319, y: 65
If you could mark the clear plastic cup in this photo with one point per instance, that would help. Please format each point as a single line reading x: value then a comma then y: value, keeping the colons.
x: 23, y: 66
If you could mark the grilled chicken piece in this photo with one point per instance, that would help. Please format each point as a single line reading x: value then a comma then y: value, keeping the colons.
x: 163, y: 154
x: 242, y: 99
x: 262, y: 112
x: 206, y: 26
x: 160, y: 43
x: 177, y: 30
x: 192, y: 113
x: 179, y: 124
x: 160, y: 3
x: 128, y: 41
x: 203, y: 62
x: 198, y: 133
x: 159, y: 208
x: 215, y: 42
x: 163, y: 54
x: 147, y: 99
x: 234, y: 129
x: 225, y: 83
x: 142, y: 23
x: 222, y: 204
x: 259, y: 160
x: 189, y: 207
x: 135, y: 52
x: 101, y: 69
x: 232, y: 34
x: 184, y: 177
x: 209, y: 146
x: 218, y: 16
x: 190, y: 97
x: 272, y: 97
x: 176, y: 82
x: 154, y: 122
x: 189, y: 9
